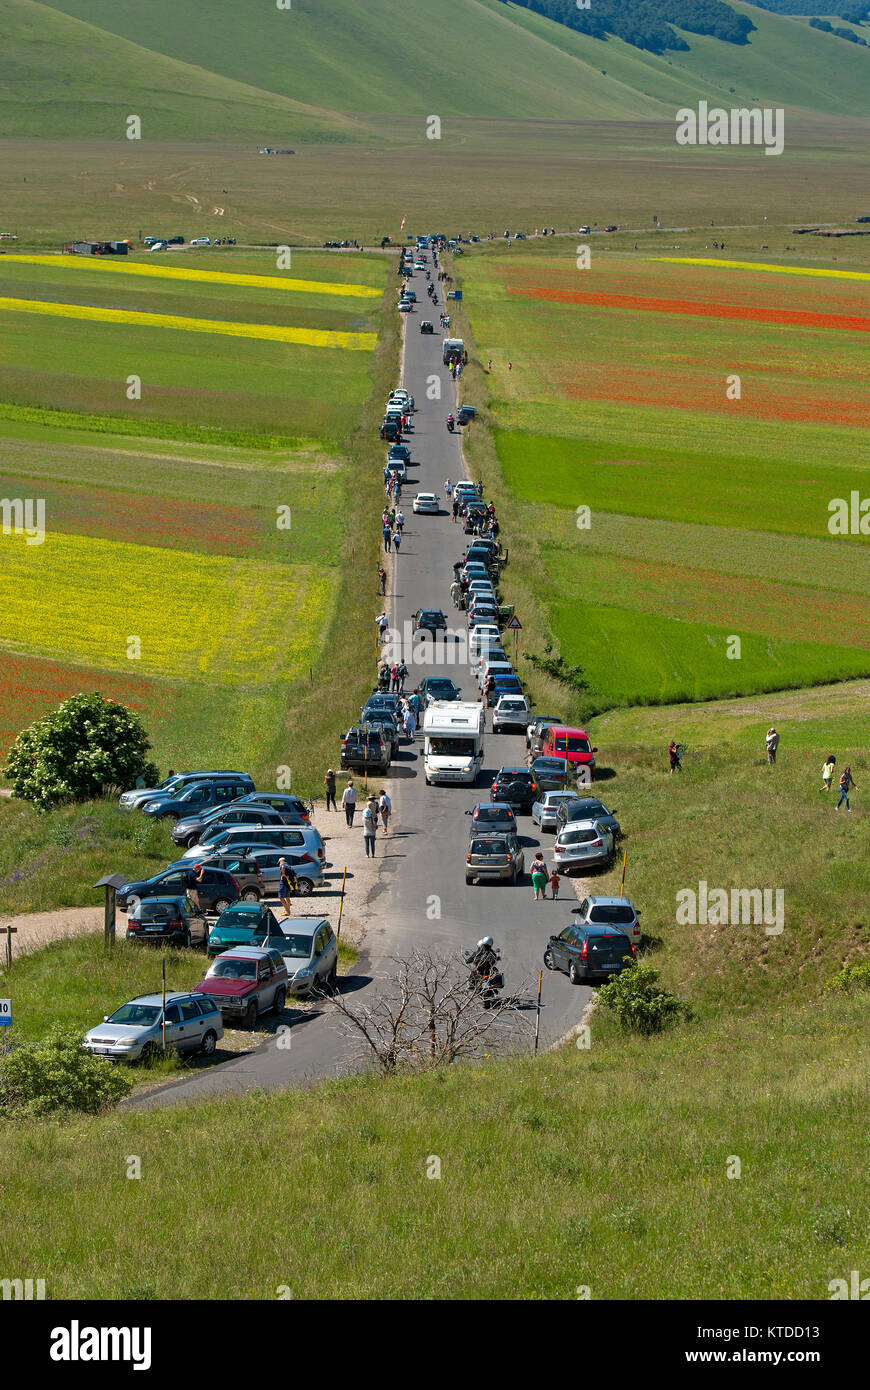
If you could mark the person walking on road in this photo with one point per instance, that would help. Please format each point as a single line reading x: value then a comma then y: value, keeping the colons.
x: 554, y: 883
x: 455, y: 509
x: 385, y: 806
x: 288, y: 885
x: 382, y: 580
x: 540, y: 876
x: 456, y: 593
x: 370, y: 826
x: 400, y: 520
x: 388, y: 536
x: 394, y: 677
x: 383, y: 623
x: 410, y: 724
x: 846, y: 782
x: 772, y: 743
x: 828, y: 772
x: 329, y: 783
x: 403, y: 676
x: 348, y: 801
x: 448, y: 487
x: 397, y: 541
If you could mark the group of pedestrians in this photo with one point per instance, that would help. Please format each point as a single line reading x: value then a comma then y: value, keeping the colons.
x: 771, y: 744
x: 541, y: 876
x: 377, y: 811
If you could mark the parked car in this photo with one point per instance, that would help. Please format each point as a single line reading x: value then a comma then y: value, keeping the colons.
x: 382, y: 699
x: 545, y: 810
x: 310, y: 953
x: 157, y: 246
x: 175, y: 241
x: 198, y: 797
x: 190, y: 829
x: 277, y: 801
x: 308, y: 869
x: 438, y: 688
x: 365, y: 748
x: 582, y: 844
x: 216, y: 891
x: 245, y: 924
x: 620, y: 914
x: 246, y: 981
x: 550, y: 774
x: 494, y: 857
x: 504, y: 685
x: 427, y: 503
x: 516, y: 786
x: 259, y: 878
x: 571, y: 745
x: 201, y: 241
x: 242, y: 839
x: 400, y: 451
x: 396, y: 468
x: 172, y: 919
x: 466, y: 413
x: 427, y: 327
x: 511, y: 714
x: 587, y: 953
x: 385, y: 720
x: 172, y: 786
x: 405, y: 306
x: 492, y: 818
x: 588, y: 808
x: 430, y: 620
x: 193, y: 1024
x: 537, y: 728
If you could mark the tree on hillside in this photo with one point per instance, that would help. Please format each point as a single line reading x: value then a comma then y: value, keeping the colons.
x: 648, y: 24
x: 78, y: 751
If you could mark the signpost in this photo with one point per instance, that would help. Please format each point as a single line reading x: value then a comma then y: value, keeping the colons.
x: 5, y: 1013
x: 10, y: 932
x: 515, y: 626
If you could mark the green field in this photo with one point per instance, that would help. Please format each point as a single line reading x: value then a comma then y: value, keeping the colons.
x: 225, y: 559
x: 707, y: 517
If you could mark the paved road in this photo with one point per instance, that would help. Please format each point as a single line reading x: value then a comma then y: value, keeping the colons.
x: 424, y: 858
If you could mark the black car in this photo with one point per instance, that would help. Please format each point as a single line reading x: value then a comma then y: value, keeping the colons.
x: 215, y: 893
x: 399, y: 451
x: 199, y: 797
x: 429, y: 620
x: 277, y: 801
x: 366, y: 750
x: 390, y: 430
x: 466, y: 413
x: 382, y: 700
x: 589, y: 952
x: 587, y: 808
x: 175, y: 241
x: 173, y: 919
x: 438, y: 688
x: 385, y: 720
x: 426, y: 327
x: 190, y: 831
x: 517, y: 786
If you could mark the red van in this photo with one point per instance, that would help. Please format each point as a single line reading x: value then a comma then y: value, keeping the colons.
x: 560, y: 741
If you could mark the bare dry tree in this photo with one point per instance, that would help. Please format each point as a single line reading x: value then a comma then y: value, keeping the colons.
x: 430, y: 1011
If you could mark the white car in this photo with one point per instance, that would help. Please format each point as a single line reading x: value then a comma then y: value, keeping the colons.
x: 583, y: 843
x: 544, y: 812
x: 201, y: 241
x: 401, y: 397
x: 157, y: 246
x: 405, y: 306
x: 511, y: 713
x: 419, y: 265
x: 427, y: 502
x: 484, y: 638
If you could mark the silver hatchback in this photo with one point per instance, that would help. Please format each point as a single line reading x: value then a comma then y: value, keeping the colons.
x: 583, y: 844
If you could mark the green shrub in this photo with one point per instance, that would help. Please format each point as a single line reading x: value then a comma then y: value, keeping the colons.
x: 77, y: 751
x: 58, y: 1074
x: 852, y: 978
x: 640, y: 1003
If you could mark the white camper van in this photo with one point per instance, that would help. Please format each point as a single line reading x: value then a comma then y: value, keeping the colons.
x: 452, y: 742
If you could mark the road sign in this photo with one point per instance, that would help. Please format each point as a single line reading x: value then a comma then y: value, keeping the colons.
x: 515, y: 624
x: 5, y: 1012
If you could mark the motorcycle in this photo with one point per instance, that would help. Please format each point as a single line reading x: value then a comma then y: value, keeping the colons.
x: 451, y: 423
x: 485, y: 975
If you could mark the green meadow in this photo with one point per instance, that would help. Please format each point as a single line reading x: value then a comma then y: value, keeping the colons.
x: 658, y: 532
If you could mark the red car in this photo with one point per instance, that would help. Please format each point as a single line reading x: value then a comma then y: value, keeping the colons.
x: 562, y: 742
x: 246, y: 981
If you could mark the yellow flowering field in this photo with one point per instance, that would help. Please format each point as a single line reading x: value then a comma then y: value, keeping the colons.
x: 202, y: 617
x: 215, y: 277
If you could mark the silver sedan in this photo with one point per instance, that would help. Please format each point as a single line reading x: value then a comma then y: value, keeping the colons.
x: 544, y: 811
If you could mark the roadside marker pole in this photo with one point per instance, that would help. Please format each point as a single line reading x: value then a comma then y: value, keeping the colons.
x: 538, y: 1010
x: 624, y: 858
x: 163, y: 1026
x: 10, y: 932
x: 341, y: 904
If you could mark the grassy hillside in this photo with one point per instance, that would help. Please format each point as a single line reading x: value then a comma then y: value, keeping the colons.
x: 483, y: 58
x: 63, y: 77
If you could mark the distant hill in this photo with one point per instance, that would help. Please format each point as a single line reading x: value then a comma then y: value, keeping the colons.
x: 60, y: 76
x: 227, y: 70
